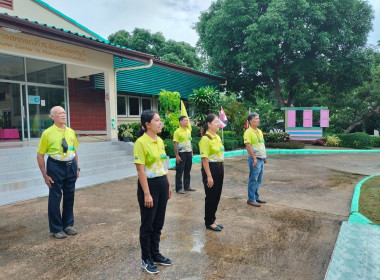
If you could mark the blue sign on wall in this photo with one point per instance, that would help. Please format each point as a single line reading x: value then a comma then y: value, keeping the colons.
x: 33, y: 99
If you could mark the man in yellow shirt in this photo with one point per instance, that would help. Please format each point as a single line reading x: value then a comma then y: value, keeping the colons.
x: 59, y: 143
x: 257, y: 157
x: 183, y: 154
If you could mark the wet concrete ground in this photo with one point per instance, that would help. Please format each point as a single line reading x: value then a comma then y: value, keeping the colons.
x: 291, y: 237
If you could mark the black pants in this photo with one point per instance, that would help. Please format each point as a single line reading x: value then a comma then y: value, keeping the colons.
x: 64, y: 176
x: 213, y: 194
x: 152, y: 219
x: 184, y: 167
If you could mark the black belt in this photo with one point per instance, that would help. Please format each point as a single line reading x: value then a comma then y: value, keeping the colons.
x: 67, y: 163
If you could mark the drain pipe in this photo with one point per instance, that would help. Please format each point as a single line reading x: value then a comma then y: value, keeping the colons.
x: 127, y: 69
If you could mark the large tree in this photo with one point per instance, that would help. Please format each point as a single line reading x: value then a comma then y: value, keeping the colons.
x: 143, y: 40
x: 285, y: 46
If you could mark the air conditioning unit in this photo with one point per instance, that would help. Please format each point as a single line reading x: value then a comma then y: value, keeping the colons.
x: 84, y: 78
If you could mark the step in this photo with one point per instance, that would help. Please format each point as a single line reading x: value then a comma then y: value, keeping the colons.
x: 41, y: 190
x: 31, y: 156
x: 34, y: 177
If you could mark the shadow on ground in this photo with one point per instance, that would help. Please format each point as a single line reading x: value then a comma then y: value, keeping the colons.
x: 291, y: 237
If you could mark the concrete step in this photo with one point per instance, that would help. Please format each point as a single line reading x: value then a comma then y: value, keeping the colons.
x: 87, y: 169
x: 21, y: 179
x: 29, y: 155
x: 39, y: 189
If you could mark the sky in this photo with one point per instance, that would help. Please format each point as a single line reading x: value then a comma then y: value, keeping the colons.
x: 173, y: 18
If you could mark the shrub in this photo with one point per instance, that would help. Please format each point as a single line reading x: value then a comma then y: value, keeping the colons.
x: 195, y: 131
x: 376, y: 141
x: 228, y: 144
x: 169, y: 147
x: 320, y: 142
x: 285, y: 145
x: 357, y: 140
x: 333, y: 141
x: 195, y: 144
x: 133, y: 127
x: 276, y: 137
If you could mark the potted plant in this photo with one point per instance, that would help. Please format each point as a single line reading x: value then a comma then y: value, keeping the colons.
x: 127, y: 134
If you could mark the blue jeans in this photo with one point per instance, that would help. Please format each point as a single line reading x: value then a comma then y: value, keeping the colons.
x: 255, y: 178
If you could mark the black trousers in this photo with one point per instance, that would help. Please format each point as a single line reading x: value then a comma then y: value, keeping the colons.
x: 184, y: 167
x: 152, y: 219
x: 213, y: 194
x: 64, y: 176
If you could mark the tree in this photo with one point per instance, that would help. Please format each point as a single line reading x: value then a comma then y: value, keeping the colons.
x: 285, y: 46
x: 142, y: 40
x: 204, y: 101
x: 169, y: 110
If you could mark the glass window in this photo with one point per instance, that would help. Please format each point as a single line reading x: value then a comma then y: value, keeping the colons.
x: 134, y: 106
x: 39, y: 111
x: 11, y: 68
x: 45, y: 72
x: 146, y: 104
x: 121, y: 106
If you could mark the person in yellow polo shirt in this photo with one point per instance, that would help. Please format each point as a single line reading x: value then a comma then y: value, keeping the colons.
x: 212, y: 155
x: 257, y: 157
x: 184, y: 155
x: 59, y: 143
x: 153, y: 189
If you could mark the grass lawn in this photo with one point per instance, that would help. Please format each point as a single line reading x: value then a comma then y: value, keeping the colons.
x: 369, y: 203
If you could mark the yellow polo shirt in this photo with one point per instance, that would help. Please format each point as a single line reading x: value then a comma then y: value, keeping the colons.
x: 183, y: 138
x: 51, y: 143
x: 212, y: 149
x: 151, y: 154
x: 256, y: 139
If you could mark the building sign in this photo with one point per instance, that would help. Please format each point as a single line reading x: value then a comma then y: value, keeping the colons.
x: 33, y: 99
x: 38, y: 46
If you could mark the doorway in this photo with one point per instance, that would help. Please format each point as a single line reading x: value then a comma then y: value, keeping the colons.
x: 12, y: 115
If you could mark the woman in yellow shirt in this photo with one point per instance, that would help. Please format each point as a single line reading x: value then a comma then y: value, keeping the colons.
x: 212, y: 155
x: 153, y: 190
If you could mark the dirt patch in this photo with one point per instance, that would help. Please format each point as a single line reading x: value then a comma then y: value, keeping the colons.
x: 290, y: 237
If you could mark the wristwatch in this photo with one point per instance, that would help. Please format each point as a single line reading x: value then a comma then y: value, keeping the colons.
x: 78, y: 169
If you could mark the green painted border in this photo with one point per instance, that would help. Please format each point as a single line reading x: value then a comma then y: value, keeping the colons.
x: 197, y: 158
x: 303, y: 108
x: 355, y: 216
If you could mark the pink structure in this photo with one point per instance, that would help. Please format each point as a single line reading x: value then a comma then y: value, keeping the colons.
x: 307, y: 132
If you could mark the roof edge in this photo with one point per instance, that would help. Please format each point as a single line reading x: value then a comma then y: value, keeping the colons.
x: 47, y: 6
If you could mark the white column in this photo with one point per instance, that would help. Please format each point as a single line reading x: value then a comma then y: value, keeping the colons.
x: 111, y: 104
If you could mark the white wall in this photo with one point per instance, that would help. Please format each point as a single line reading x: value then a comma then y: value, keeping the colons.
x: 35, y: 12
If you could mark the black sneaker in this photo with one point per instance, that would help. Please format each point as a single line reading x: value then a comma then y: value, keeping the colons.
x: 149, y: 266
x: 160, y: 259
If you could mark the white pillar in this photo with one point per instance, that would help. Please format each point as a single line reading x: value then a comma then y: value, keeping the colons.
x: 111, y: 104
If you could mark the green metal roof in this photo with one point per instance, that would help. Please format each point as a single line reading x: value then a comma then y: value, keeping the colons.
x: 152, y: 80
x: 42, y: 3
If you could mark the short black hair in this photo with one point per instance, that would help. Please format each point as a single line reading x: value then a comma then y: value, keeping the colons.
x: 181, y: 118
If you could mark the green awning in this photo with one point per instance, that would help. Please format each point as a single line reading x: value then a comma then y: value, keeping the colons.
x: 152, y: 80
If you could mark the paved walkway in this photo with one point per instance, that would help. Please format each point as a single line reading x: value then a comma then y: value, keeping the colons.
x: 356, y: 254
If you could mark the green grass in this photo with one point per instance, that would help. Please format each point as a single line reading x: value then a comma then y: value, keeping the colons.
x: 369, y: 202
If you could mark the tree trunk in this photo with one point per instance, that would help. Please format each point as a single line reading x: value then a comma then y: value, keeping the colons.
x: 363, y: 119
x: 277, y: 89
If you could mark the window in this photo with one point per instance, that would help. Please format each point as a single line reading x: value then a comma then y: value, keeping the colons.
x: 11, y: 67
x: 45, y: 72
x: 6, y: 4
x: 132, y: 106
x: 146, y: 104
x: 121, y: 105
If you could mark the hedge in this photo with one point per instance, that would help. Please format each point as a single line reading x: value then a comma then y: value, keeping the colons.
x: 285, y: 145
x: 357, y: 140
x: 376, y: 141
